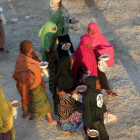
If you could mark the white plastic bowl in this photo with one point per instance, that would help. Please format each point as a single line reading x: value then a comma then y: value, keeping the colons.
x: 105, y: 59
x: 43, y: 67
x: 93, y: 130
x: 1, y: 9
x: 65, y: 45
x: 15, y: 101
x: 76, y: 19
x: 83, y: 89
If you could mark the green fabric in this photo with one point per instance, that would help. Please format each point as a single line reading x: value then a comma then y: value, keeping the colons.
x: 92, y: 111
x: 6, y: 114
x: 40, y: 104
x: 59, y: 21
x: 12, y: 133
x: 46, y: 34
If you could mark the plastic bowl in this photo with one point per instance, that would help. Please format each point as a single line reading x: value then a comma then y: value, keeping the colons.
x: 43, y: 67
x: 81, y: 90
x: 63, y: 47
x: 93, y: 130
x: 15, y: 101
x: 107, y: 56
x: 76, y: 19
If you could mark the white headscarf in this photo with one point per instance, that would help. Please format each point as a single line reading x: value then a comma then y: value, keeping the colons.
x: 53, y: 4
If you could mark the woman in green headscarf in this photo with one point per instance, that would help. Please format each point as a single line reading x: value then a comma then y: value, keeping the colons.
x: 49, y: 49
x: 6, y: 118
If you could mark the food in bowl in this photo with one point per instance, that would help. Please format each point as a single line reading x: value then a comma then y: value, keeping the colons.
x: 43, y: 64
x: 105, y: 56
x: 66, y: 46
x: 93, y: 134
x: 81, y: 88
x: 16, y: 104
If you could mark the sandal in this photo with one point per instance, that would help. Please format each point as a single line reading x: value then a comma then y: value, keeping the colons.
x: 112, y: 94
x: 28, y: 117
x: 3, y: 50
x: 54, y: 122
x: 65, y: 133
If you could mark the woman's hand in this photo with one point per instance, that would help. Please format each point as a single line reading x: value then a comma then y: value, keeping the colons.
x: 61, y: 93
x: 75, y: 91
x: 107, y: 112
x: 88, y: 130
x: 85, y: 70
x: 99, y: 58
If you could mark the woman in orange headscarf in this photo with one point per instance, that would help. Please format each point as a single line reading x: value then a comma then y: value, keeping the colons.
x: 30, y: 84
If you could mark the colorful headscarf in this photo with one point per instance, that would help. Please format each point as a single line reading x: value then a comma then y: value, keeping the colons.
x: 25, y: 47
x: 46, y: 34
x: 100, y: 44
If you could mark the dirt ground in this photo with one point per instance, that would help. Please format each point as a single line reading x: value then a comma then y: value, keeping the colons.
x: 119, y: 21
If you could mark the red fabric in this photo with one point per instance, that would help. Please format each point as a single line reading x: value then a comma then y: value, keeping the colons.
x: 84, y: 58
x: 28, y: 76
x: 100, y: 44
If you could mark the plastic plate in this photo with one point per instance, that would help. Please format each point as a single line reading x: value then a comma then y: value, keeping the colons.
x: 66, y: 46
x: 81, y: 90
x: 105, y: 57
x: 16, y: 101
x: 45, y: 65
x: 93, y: 130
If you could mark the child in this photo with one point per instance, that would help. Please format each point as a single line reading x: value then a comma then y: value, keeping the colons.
x: 94, y: 108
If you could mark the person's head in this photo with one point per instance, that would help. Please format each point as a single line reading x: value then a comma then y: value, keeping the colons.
x: 26, y: 49
x: 92, y: 82
x: 92, y: 28
x: 55, y: 4
x: 50, y: 27
x: 64, y: 65
x: 59, y: 3
x: 86, y: 40
x: 53, y: 28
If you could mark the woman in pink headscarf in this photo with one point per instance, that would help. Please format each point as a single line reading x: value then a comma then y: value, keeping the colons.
x: 100, y: 45
x: 85, y: 60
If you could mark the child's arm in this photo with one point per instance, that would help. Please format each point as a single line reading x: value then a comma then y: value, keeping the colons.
x: 87, y: 115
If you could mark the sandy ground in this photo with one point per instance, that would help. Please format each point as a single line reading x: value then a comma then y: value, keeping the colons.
x: 119, y: 21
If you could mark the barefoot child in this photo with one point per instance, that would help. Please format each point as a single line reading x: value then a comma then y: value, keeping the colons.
x: 94, y: 108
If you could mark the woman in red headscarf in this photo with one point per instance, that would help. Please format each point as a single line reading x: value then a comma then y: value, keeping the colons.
x: 85, y: 60
x: 30, y: 84
x: 100, y: 45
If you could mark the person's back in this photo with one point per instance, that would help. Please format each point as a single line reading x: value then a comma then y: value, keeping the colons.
x: 94, y: 108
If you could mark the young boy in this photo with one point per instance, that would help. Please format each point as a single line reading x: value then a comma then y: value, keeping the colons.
x: 94, y: 108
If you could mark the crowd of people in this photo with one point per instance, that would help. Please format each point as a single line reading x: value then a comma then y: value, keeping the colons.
x: 66, y: 73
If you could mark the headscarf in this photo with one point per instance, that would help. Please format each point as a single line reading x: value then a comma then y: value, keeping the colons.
x: 91, y: 83
x: 6, y: 114
x: 25, y: 47
x: 65, y: 78
x: 100, y: 44
x: 53, y: 4
x: 84, y: 57
x: 46, y: 34
x: 55, y: 11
